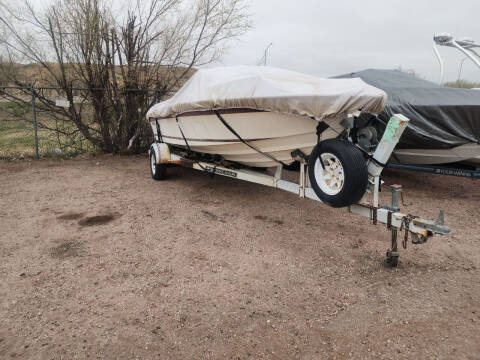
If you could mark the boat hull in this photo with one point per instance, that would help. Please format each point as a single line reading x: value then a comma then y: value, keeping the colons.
x: 466, y: 153
x: 277, y: 135
x: 272, y: 133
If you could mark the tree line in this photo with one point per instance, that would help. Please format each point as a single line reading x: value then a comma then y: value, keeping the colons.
x: 114, y: 52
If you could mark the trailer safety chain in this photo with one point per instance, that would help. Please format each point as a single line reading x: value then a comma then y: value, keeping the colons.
x: 406, y: 223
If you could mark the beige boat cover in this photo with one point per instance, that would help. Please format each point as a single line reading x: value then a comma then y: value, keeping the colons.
x: 271, y: 89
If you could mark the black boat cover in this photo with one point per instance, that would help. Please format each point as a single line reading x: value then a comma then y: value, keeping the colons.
x: 440, y: 117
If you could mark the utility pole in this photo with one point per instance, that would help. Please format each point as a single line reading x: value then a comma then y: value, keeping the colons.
x: 266, y: 53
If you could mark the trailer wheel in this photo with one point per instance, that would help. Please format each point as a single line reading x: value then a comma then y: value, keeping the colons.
x: 159, y: 171
x: 343, y: 178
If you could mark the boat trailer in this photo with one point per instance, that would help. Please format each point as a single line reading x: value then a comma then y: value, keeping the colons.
x: 450, y: 170
x: 419, y: 230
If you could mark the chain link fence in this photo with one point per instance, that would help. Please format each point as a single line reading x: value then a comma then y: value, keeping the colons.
x: 29, y: 129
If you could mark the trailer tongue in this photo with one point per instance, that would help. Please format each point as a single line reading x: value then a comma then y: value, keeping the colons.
x: 417, y: 229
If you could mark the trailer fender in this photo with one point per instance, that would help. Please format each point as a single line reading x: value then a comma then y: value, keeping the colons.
x: 162, y: 153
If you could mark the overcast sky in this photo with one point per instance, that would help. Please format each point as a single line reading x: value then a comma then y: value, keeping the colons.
x: 331, y: 37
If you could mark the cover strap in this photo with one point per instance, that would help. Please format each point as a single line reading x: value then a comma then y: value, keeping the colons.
x: 220, y: 117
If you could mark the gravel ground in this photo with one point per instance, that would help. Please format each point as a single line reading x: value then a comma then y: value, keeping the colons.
x: 100, y: 261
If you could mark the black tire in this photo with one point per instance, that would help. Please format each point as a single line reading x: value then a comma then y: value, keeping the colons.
x: 158, y: 171
x: 355, y: 173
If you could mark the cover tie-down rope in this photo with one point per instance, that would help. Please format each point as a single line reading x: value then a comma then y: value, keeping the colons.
x: 243, y: 141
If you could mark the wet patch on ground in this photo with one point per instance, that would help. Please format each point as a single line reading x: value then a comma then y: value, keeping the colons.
x: 212, y: 216
x: 268, y: 220
x: 97, y: 220
x: 70, y: 216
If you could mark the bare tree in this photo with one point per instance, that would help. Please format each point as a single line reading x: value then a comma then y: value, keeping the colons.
x: 115, y: 54
x: 409, y: 71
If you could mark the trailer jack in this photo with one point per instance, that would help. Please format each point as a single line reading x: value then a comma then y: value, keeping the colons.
x: 431, y: 227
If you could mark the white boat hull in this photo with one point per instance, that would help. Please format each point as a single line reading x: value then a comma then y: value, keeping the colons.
x: 275, y: 134
x: 466, y: 153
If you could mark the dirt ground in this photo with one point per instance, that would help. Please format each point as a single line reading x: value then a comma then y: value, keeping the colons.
x: 100, y: 261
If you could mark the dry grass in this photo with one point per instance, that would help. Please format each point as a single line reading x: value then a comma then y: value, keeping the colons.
x: 17, y: 134
x: 463, y: 84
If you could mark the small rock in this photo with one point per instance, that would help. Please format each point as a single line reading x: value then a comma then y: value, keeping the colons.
x: 22, y: 275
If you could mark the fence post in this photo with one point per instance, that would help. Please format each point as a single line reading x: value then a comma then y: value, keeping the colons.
x: 35, y: 128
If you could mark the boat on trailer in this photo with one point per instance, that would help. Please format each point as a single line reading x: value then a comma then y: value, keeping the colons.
x: 262, y: 117
x: 444, y: 123
x: 237, y: 121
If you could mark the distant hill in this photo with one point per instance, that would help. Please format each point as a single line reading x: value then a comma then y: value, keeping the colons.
x: 34, y: 72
